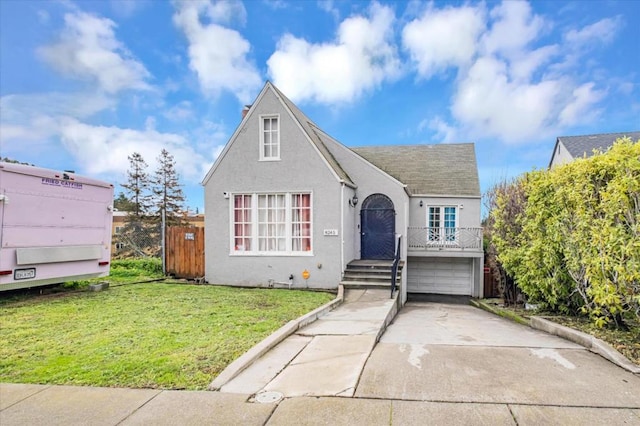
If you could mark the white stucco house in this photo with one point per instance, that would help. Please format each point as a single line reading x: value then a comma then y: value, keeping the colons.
x: 287, y: 204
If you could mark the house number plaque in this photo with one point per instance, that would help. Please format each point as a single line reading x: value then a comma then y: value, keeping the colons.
x: 330, y: 232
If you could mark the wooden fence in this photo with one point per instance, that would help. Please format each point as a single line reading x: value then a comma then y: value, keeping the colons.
x: 185, y: 252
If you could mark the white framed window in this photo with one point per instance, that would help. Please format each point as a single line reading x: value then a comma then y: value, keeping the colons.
x: 442, y: 222
x: 242, y: 221
x: 269, y: 137
x: 118, y: 229
x: 271, y: 223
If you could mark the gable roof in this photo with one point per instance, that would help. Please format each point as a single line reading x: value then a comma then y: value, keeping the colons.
x: 444, y: 169
x: 308, y: 127
x: 579, y: 146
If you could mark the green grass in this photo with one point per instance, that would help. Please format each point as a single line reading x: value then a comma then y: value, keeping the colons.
x: 124, y: 271
x: 154, y: 335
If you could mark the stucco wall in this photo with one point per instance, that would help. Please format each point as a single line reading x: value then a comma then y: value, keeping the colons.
x: 560, y: 156
x: 350, y: 235
x: 468, y: 210
x: 300, y: 169
x: 370, y: 180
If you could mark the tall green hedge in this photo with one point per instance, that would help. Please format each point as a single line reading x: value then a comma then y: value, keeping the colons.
x: 576, y: 244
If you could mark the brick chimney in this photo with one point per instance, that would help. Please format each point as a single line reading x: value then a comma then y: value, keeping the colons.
x: 245, y: 110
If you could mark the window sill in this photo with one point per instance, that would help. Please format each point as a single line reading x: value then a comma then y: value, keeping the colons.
x: 271, y: 254
x: 270, y: 159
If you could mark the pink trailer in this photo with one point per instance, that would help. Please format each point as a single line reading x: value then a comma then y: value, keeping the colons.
x: 54, y: 226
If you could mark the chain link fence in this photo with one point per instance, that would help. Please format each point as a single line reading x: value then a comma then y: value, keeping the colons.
x: 138, y: 239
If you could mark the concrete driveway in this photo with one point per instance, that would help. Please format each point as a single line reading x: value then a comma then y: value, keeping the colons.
x: 447, y: 353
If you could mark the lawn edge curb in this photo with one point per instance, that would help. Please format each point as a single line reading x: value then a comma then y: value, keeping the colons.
x: 269, y: 342
x: 504, y: 314
x: 592, y: 343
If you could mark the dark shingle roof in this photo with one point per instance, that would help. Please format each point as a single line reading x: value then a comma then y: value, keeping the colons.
x: 445, y: 169
x: 578, y: 146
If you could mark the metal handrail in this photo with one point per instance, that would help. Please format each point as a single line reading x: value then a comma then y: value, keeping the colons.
x: 394, y: 268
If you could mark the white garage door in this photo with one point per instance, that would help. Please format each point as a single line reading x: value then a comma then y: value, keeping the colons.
x: 440, y: 275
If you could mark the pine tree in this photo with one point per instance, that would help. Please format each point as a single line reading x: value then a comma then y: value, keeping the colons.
x: 137, y: 186
x: 139, y: 237
x: 167, y: 191
x: 123, y: 204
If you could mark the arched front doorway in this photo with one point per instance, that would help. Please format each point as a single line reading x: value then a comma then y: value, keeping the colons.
x: 378, y: 226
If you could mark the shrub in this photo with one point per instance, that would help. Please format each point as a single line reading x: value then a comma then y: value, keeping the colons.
x: 147, y: 265
x: 575, y: 243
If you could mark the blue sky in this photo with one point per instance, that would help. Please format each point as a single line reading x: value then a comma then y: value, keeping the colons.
x: 83, y: 84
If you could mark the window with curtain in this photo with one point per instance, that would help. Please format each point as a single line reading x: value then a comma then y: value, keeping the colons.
x: 270, y: 138
x: 301, y: 222
x: 242, y: 222
x: 272, y: 223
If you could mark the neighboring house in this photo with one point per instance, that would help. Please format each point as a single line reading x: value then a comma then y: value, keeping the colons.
x: 568, y: 148
x: 287, y: 203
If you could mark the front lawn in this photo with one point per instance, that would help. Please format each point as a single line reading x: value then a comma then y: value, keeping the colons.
x: 153, y: 335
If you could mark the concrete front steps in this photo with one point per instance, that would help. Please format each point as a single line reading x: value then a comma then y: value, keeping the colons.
x: 363, y: 274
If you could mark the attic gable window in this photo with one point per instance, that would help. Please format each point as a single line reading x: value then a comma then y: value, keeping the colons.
x: 269, y: 137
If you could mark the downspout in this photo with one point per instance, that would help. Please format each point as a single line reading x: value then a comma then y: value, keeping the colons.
x: 405, y: 250
x: 341, y: 230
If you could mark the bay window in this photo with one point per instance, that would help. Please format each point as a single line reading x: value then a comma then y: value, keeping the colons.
x: 278, y: 223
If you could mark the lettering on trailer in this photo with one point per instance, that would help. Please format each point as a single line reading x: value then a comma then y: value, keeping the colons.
x: 63, y: 183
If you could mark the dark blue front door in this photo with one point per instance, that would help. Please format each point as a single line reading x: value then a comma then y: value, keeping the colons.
x: 377, y: 228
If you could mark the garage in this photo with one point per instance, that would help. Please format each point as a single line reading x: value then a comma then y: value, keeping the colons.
x: 452, y: 276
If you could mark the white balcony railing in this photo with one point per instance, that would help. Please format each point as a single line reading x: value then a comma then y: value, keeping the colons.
x: 425, y: 238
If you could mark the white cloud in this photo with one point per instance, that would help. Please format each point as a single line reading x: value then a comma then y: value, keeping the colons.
x: 580, y: 107
x: 218, y: 55
x: 361, y: 58
x: 180, y: 112
x: 103, y: 150
x: 443, y: 38
x: 128, y: 8
x: 491, y: 104
x: 329, y: 7
x: 602, y: 31
x: 275, y: 4
x: 33, y: 118
x: 443, y: 132
x: 524, y: 64
x: 225, y: 11
x: 80, y: 105
x: 514, y: 28
x: 43, y: 17
x: 510, y: 85
x: 88, y: 50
